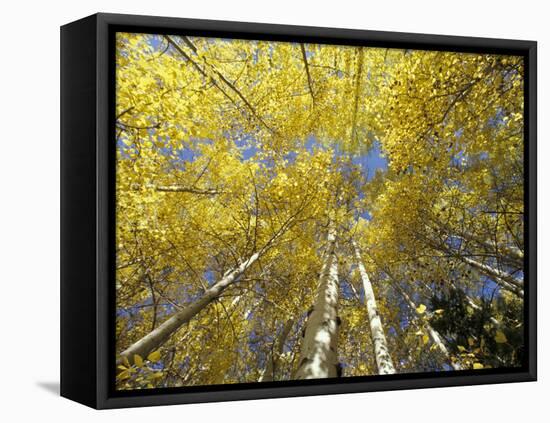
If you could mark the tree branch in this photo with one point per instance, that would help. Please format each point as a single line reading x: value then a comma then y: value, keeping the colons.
x: 309, y: 81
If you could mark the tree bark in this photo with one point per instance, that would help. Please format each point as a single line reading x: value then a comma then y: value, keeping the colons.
x: 471, y: 303
x: 508, y: 253
x: 382, y: 355
x: 278, y: 349
x: 157, y: 337
x: 318, y: 357
x: 436, y: 338
x: 502, y: 279
x: 154, y: 339
x: 179, y: 188
x: 506, y: 281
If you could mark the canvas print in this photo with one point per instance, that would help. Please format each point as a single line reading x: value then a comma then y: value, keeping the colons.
x: 290, y: 211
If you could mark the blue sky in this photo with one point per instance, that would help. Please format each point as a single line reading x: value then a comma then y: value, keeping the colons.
x: 372, y: 161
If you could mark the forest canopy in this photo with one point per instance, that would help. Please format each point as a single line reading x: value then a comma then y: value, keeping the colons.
x: 303, y: 211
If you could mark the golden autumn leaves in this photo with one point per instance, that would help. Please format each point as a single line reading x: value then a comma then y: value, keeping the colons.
x: 141, y: 369
x: 220, y: 142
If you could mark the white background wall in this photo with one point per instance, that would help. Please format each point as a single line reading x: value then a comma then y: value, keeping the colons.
x: 29, y: 210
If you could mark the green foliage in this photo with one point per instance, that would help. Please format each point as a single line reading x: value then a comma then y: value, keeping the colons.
x: 475, y: 335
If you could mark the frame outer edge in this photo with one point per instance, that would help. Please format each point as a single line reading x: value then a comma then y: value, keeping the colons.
x: 78, y: 167
x: 103, y: 211
x: 532, y: 217
x: 103, y: 125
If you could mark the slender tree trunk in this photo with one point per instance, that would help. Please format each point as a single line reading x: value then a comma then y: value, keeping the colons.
x: 436, y: 338
x: 157, y: 337
x: 154, y: 339
x: 382, y: 355
x: 318, y: 357
x: 470, y: 300
x: 509, y: 253
x: 502, y: 279
x: 354, y: 291
x: 278, y: 349
x: 180, y: 188
x: 506, y: 281
x: 472, y: 304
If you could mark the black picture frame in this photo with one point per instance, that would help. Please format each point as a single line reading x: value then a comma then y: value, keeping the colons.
x: 87, y: 210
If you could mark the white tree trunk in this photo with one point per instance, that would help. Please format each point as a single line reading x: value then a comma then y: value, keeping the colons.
x: 278, y: 349
x: 436, y: 338
x: 382, y: 355
x: 441, y: 345
x: 509, y: 253
x: 318, y: 357
x: 472, y: 304
x: 154, y: 339
x: 504, y: 280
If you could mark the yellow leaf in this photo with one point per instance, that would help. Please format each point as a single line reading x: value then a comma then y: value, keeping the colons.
x: 439, y: 311
x: 461, y: 348
x: 426, y: 339
x: 138, y: 360
x: 478, y: 366
x: 154, y: 356
x: 123, y: 375
x: 421, y: 309
x: 500, y: 338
